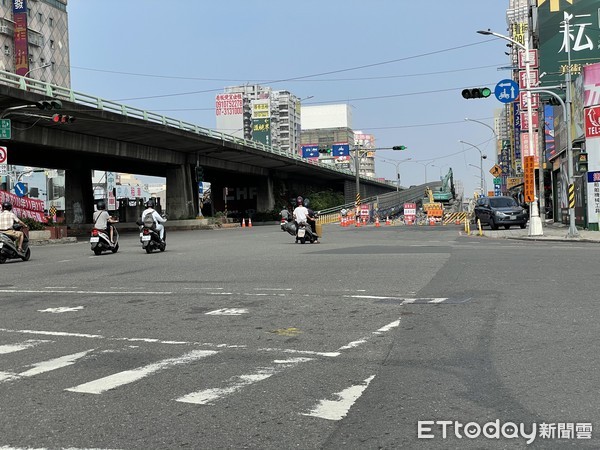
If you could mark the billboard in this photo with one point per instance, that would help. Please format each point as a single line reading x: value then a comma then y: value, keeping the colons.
x: 24, y: 207
x: 229, y: 111
x: 581, y: 37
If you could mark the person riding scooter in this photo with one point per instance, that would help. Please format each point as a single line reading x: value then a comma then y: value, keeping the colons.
x: 103, y: 220
x: 158, y: 219
x: 7, y: 220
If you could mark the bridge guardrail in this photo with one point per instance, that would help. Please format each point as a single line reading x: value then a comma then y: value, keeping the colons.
x: 60, y: 92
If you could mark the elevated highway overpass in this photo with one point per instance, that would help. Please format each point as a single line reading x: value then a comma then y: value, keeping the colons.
x: 110, y: 136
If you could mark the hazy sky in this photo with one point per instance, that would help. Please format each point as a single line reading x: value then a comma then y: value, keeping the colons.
x: 400, y: 64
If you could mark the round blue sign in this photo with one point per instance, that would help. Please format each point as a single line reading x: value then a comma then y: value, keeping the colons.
x: 507, y: 91
x: 20, y: 189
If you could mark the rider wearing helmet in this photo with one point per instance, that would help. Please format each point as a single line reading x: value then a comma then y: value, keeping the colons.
x: 158, y: 219
x: 300, y: 213
x: 7, y: 220
x: 103, y: 220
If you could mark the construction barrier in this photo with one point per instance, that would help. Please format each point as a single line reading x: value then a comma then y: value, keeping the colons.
x: 455, y: 217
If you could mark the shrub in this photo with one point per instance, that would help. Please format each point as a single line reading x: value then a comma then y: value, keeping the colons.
x: 33, y: 224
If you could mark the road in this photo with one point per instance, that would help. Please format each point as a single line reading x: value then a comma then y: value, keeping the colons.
x: 240, y: 338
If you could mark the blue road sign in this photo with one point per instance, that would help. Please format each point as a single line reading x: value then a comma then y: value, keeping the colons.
x: 341, y: 149
x: 507, y: 91
x: 310, y: 151
x: 20, y: 189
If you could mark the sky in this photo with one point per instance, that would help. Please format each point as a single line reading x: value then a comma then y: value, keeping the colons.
x: 400, y: 65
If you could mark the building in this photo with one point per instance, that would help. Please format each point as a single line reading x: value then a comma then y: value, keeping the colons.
x: 261, y: 114
x: 325, y: 126
x: 34, y: 40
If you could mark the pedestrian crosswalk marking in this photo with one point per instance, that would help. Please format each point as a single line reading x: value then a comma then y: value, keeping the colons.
x: 10, y: 348
x: 129, y: 376
x: 228, y: 312
x: 337, y: 409
x: 209, y: 396
x: 46, y: 366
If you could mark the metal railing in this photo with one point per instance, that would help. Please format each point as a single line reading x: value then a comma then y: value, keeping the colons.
x: 80, y: 98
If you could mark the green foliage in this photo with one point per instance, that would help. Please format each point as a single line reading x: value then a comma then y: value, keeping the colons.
x: 325, y: 199
x: 33, y: 224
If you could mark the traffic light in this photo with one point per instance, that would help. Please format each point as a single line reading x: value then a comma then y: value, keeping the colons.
x: 325, y: 150
x: 582, y: 162
x: 61, y: 118
x: 49, y: 104
x: 199, y: 174
x: 476, y: 93
x: 399, y: 147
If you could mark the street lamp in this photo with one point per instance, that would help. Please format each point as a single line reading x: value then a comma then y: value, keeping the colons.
x: 43, y: 66
x: 535, y: 222
x: 440, y: 167
x: 481, y: 158
x: 484, y: 124
x: 397, y: 164
x: 425, y: 166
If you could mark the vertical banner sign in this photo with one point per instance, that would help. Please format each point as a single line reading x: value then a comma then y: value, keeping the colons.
x: 20, y: 27
x: 529, y: 178
x: 549, y: 132
x: 261, y: 121
x: 517, y: 139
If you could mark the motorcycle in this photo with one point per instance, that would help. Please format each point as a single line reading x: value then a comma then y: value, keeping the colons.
x: 150, y: 238
x: 100, y: 241
x: 283, y: 224
x: 304, y: 233
x: 8, y: 247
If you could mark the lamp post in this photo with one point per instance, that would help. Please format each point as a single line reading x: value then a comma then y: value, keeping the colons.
x: 425, y: 166
x: 397, y: 164
x: 535, y: 222
x: 481, y: 187
x: 440, y: 167
x: 43, y: 66
x: 481, y: 158
x: 484, y: 124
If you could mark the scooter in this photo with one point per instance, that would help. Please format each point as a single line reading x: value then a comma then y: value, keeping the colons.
x: 8, y: 248
x: 304, y: 233
x: 100, y: 241
x: 283, y: 224
x: 151, y: 240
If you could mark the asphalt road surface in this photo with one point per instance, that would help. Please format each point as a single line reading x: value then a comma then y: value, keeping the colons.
x: 390, y: 337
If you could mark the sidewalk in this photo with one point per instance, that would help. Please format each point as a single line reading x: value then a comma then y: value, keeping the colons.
x: 552, y: 232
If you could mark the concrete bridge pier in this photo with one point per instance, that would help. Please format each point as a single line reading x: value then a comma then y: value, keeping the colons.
x: 182, y: 197
x: 79, y: 196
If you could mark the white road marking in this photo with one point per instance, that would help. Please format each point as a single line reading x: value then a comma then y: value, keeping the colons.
x: 129, y: 376
x: 10, y: 348
x: 353, y: 344
x: 405, y: 301
x: 437, y: 300
x: 45, y: 366
x: 389, y: 326
x: 61, y: 309
x: 220, y: 293
x: 64, y: 260
x: 300, y: 352
x: 54, y: 291
x: 209, y: 396
x: 337, y: 409
x: 98, y: 336
x: 363, y: 340
x: 227, y: 312
x: 272, y: 289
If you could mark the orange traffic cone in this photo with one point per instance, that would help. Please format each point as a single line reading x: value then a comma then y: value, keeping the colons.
x: 243, y: 223
x: 377, y: 224
x: 358, y: 222
x: 387, y: 220
x: 249, y: 222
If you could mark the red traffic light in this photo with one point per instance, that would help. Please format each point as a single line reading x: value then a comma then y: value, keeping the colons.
x: 61, y: 118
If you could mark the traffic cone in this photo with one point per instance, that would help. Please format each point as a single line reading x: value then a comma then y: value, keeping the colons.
x: 387, y: 220
x: 377, y: 224
x: 358, y: 222
x: 243, y: 223
x: 249, y: 222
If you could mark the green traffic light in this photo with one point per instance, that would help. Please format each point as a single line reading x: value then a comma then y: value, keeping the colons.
x: 486, y: 92
x: 399, y: 147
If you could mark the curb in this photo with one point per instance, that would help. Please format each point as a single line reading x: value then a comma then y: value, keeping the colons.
x: 40, y: 242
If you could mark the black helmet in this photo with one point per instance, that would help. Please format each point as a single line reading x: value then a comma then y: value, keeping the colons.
x: 6, y: 206
x: 101, y: 205
x: 299, y: 200
x: 150, y: 204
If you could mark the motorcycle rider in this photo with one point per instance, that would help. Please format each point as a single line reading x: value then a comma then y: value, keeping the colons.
x: 103, y: 220
x: 158, y: 219
x: 312, y: 220
x: 7, y: 220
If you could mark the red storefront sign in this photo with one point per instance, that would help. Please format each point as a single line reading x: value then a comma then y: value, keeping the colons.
x: 592, y: 122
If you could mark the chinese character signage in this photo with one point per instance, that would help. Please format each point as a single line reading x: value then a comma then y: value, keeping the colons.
x: 20, y: 34
x: 581, y: 36
x: 310, y: 151
x: 229, y: 104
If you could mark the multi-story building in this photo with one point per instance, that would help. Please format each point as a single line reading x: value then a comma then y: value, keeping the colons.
x: 34, y: 40
x: 260, y: 113
x: 327, y: 125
